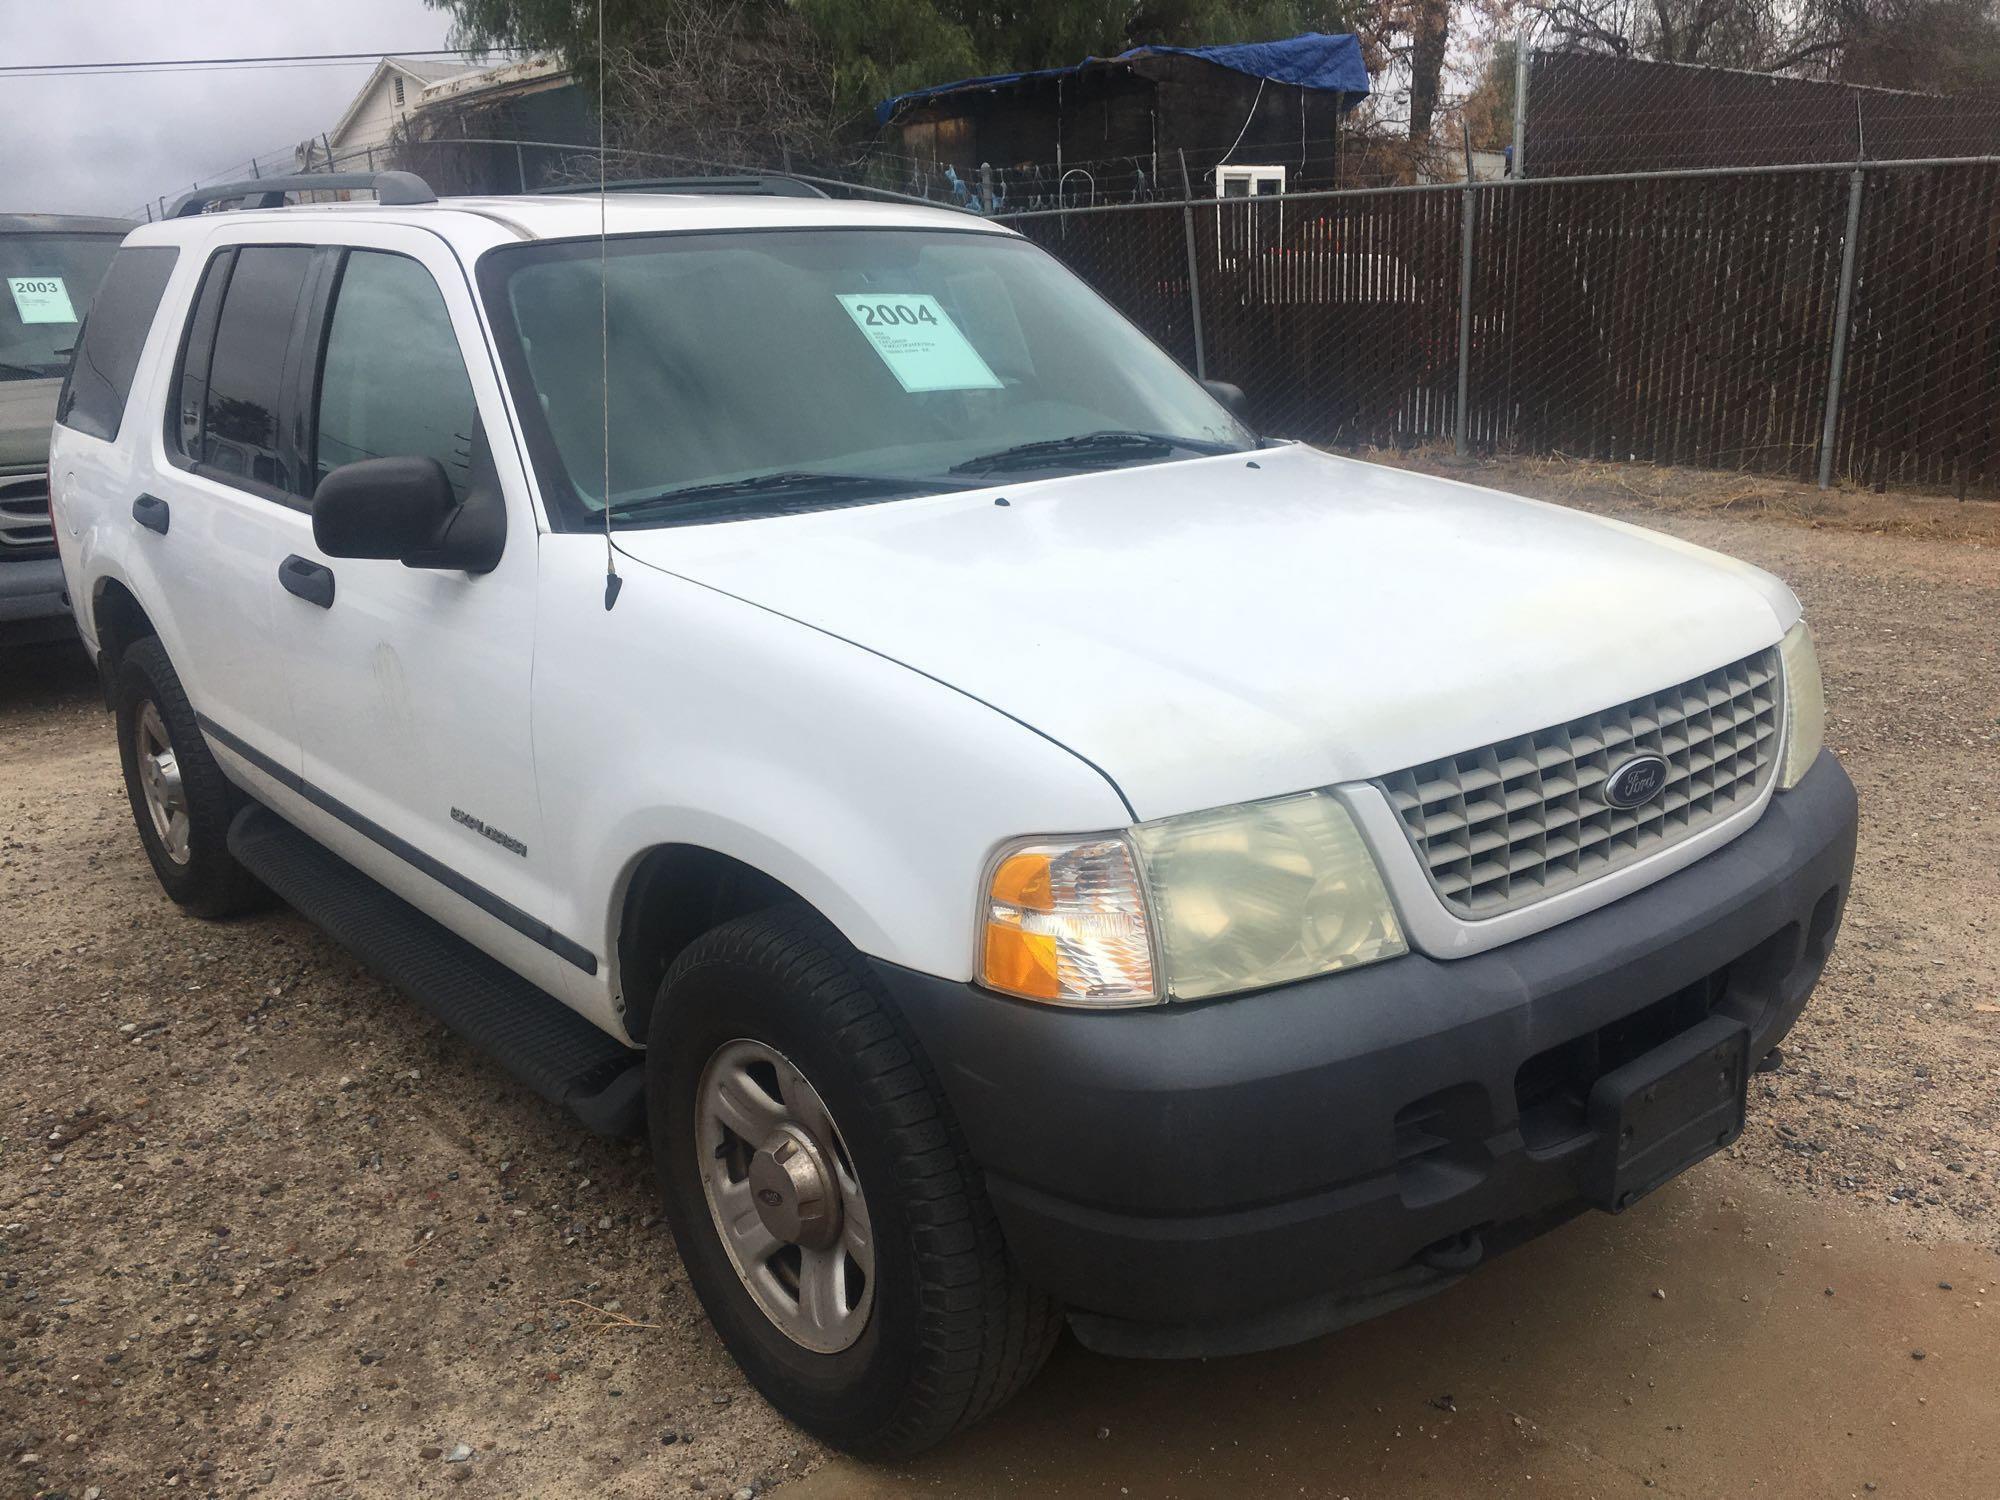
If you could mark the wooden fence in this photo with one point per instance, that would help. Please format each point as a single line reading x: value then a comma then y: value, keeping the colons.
x: 1686, y: 319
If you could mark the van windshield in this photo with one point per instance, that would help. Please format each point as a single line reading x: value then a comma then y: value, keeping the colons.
x: 762, y: 370
x: 46, y: 283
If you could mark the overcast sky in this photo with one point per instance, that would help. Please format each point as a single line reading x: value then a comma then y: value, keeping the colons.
x: 104, y: 145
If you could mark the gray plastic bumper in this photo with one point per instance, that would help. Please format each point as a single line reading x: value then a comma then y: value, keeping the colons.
x: 33, y: 600
x: 1234, y: 1174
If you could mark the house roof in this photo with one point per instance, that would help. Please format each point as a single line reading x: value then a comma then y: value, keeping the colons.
x: 423, y: 71
x: 1313, y: 60
x: 431, y: 69
x: 525, y: 74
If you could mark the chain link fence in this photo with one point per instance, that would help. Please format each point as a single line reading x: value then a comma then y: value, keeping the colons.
x: 1831, y: 323
x: 1697, y: 267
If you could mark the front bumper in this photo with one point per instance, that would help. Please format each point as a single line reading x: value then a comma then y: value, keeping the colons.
x: 1246, y: 1172
x: 34, y: 603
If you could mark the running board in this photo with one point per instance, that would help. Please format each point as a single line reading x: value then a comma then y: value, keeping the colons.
x: 534, y: 1036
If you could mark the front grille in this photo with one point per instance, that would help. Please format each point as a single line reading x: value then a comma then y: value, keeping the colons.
x: 25, y: 531
x: 1503, y: 826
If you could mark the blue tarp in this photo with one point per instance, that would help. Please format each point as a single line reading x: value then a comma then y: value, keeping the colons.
x: 1313, y: 61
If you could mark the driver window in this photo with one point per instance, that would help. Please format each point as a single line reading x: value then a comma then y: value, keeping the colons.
x: 392, y: 383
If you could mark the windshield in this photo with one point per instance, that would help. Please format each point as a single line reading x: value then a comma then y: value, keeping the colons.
x: 774, y: 369
x: 46, y: 283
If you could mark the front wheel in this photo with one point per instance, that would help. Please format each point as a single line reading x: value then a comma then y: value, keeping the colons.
x: 827, y: 1212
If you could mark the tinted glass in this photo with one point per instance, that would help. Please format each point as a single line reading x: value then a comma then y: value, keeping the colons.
x: 191, y: 388
x: 93, y: 397
x: 870, y: 352
x: 392, y: 383
x: 246, y: 373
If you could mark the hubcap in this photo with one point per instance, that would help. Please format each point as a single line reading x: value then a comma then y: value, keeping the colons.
x: 782, y: 1191
x: 160, y: 781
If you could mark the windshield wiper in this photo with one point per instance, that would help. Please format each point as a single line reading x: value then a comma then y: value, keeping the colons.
x: 25, y: 372
x: 769, y: 494
x: 1085, y: 447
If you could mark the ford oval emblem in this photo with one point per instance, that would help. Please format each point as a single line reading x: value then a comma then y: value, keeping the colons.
x: 1636, y: 782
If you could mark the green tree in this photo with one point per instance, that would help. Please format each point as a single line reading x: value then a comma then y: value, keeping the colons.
x: 866, y: 50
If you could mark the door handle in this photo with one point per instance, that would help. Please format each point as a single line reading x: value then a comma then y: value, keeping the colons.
x: 150, y: 511
x: 311, y: 581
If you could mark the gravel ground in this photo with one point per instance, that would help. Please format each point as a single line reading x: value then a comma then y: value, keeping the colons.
x: 263, y: 1226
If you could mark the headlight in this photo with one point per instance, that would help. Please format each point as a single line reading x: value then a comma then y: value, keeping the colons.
x: 1805, y: 706
x: 1185, y: 908
x: 1264, y: 893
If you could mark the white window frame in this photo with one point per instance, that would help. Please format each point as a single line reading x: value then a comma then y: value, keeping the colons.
x: 1258, y: 182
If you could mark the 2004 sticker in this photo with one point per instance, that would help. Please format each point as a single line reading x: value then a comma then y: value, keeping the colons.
x: 918, y: 341
x: 41, y: 299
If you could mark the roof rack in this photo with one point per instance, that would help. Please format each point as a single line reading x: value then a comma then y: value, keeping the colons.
x: 269, y: 192
x: 774, y: 187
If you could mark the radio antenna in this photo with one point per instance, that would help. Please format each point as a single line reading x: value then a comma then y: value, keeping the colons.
x: 612, y: 582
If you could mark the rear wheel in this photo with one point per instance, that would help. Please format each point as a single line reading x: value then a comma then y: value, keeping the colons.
x: 180, y: 800
x: 828, y: 1214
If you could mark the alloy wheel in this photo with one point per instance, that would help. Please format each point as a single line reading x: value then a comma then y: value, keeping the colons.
x: 784, y: 1196
x: 160, y: 780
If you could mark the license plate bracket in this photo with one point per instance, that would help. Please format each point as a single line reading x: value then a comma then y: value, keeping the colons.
x: 1665, y: 1110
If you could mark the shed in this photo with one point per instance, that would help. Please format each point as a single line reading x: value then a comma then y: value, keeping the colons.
x: 1118, y: 126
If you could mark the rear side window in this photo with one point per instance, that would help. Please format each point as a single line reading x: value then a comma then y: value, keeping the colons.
x: 246, y: 374
x: 231, y: 394
x: 107, y: 357
x: 392, y: 383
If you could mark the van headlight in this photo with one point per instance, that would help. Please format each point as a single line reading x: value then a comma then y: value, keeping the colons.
x: 1805, y: 706
x: 1212, y: 903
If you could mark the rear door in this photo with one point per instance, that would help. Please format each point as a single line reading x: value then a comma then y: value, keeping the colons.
x: 220, y: 503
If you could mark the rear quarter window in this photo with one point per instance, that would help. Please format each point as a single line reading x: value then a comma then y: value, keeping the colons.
x: 114, y: 332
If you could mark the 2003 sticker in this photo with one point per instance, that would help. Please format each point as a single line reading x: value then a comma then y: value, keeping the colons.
x: 41, y: 299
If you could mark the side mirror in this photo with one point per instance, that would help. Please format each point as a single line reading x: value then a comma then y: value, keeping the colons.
x: 404, y: 510
x: 1232, y: 398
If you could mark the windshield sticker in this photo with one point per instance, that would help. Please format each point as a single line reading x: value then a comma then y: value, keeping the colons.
x: 918, y: 341
x: 41, y: 299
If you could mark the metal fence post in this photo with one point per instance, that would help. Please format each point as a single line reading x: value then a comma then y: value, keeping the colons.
x: 1840, y: 328
x: 1518, y: 167
x: 1460, y: 444
x: 1194, y: 274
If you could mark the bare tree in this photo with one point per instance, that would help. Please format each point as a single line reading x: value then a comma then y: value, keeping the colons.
x: 739, y: 84
x: 1939, y: 45
x: 1430, y: 32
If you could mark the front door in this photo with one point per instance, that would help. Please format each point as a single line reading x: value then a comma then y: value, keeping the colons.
x: 410, y: 685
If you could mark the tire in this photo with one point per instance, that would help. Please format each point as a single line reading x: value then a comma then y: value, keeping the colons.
x: 951, y: 1330
x: 192, y: 860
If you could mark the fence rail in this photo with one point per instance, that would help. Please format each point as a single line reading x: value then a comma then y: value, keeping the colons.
x: 1810, y: 320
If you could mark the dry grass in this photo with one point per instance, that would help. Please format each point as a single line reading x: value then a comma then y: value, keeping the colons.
x: 1623, y: 488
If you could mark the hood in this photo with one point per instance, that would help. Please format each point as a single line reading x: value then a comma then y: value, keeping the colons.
x: 1229, y: 628
x: 27, y: 412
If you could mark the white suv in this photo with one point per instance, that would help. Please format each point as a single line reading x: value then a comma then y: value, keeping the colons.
x: 1058, y: 852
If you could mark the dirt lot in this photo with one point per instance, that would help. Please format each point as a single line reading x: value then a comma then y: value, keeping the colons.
x: 264, y: 1227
